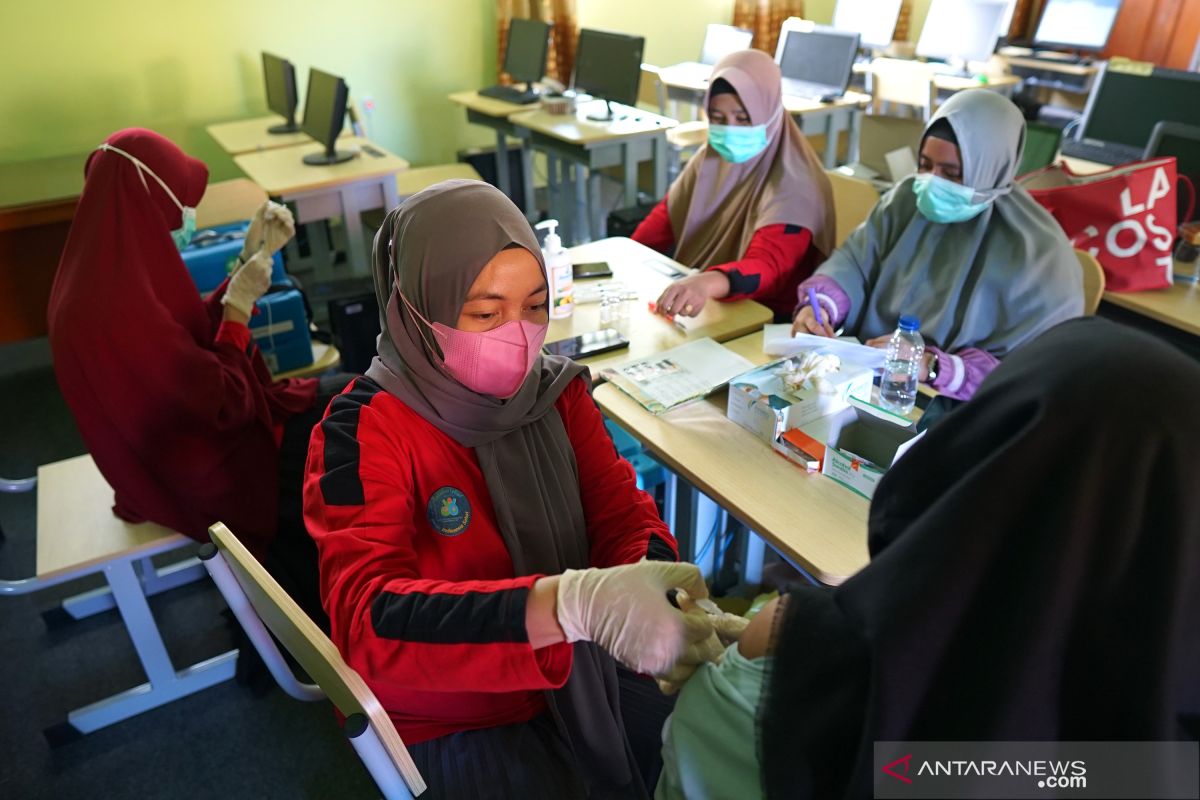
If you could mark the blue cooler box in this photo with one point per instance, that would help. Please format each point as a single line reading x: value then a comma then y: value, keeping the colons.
x: 213, y: 251
x: 280, y: 329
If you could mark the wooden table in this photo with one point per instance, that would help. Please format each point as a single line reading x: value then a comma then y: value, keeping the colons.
x: 650, y: 333
x: 492, y: 113
x: 1178, y: 306
x: 572, y: 140
x: 816, y: 523
x: 320, y: 192
x: 78, y: 535
x: 229, y: 201
x: 250, y: 135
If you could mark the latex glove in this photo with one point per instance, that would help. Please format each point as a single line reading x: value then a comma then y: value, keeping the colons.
x: 249, y: 283
x: 272, y: 226
x: 686, y: 297
x: 727, y: 628
x: 625, y: 610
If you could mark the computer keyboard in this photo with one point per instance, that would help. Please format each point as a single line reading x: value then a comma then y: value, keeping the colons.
x: 1101, y: 152
x: 510, y: 94
x: 809, y: 90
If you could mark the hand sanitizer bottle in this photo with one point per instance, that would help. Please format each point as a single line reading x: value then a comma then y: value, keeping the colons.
x: 558, y: 271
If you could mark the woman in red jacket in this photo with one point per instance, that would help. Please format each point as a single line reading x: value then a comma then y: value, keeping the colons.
x: 753, y: 208
x: 472, y: 517
x: 173, y: 400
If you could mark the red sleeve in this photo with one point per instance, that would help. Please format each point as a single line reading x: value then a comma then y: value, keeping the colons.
x: 622, y: 520
x: 387, y: 620
x: 655, y: 230
x: 775, y: 251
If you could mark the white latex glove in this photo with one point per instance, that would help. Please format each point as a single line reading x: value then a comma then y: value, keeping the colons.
x: 249, y: 283
x: 727, y: 628
x: 272, y: 226
x: 625, y: 610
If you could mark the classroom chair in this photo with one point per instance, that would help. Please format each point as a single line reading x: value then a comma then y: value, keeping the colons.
x: 263, y: 608
x: 1093, y: 281
x: 684, y: 137
x: 13, y: 486
x: 908, y: 83
x: 853, y: 199
x: 1041, y: 146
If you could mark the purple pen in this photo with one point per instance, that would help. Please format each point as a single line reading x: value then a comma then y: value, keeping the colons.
x: 816, y: 307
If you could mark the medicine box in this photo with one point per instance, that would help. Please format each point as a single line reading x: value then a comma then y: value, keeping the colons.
x: 861, y: 447
x: 760, y: 401
x: 213, y: 252
x: 280, y: 329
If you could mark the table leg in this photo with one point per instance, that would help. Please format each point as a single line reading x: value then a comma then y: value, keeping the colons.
x: 502, y: 163
x: 154, y: 581
x: 582, y: 227
x: 356, y: 248
x: 599, y: 221
x: 631, y: 174
x: 854, y: 135
x: 527, y: 176
x: 831, y: 140
x: 164, y: 683
x: 660, y: 167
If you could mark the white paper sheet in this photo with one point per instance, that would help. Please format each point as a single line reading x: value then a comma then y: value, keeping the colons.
x: 779, y: 342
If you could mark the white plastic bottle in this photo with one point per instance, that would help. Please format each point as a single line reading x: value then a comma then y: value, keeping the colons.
x: 898, y: 388
x: 558, y: 271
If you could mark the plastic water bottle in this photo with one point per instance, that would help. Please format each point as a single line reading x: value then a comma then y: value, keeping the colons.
x: 898, y: 389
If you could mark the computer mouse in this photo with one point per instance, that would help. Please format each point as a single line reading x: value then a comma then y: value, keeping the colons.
x: 828, y: 98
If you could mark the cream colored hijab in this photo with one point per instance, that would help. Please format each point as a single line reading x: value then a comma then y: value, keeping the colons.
x: 715, y: 206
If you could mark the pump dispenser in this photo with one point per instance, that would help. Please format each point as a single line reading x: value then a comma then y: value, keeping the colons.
x: 558, y: 271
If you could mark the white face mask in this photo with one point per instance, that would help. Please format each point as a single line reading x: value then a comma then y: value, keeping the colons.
x: 182, y: 236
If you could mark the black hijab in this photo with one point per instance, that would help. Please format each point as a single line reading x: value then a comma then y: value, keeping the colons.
x: 1033, y: 575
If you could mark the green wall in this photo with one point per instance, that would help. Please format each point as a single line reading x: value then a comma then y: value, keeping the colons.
x: 76, y: 70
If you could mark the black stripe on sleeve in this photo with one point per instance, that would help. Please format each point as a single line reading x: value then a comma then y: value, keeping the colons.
x: 740, y: 284
x: 468, y: 618
x: 658, y: 550
x: 341, y: 484
x: 792, y: 229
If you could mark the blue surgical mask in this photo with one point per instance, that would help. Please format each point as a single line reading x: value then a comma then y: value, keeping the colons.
x: 182, y: 236
x: 940, y: 200
x: 737, y: 143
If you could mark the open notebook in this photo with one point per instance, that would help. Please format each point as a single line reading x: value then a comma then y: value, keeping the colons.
x: 677, y: 376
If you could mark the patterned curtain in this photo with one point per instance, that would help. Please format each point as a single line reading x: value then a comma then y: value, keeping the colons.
x: 904, y: 22
x: 765, y: 18
x: 1023, y: 19
x: 564, y: 33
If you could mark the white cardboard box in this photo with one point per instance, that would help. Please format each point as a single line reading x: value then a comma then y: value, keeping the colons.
x: 759, y: 401
x: 861, y: 448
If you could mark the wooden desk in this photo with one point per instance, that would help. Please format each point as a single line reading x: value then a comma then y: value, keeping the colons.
x: 1178, y: 306
x: 78, y: 535
x: 1083, y: 167
x: 570, y: 140
x: 813, y: 521
x: 229, y: 201
x: 320, y: 192
x: 1004, y: 84
x: 650, y: 333
x: 495, y: 114
x: 250, y: 135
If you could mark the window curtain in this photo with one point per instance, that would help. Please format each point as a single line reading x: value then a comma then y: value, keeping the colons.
x: 903, y: 32
x: 564, y: 32
x: 765, y: 17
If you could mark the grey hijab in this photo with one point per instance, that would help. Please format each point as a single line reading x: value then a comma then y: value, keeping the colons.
x: 433, y: 247
x: 992, y: 282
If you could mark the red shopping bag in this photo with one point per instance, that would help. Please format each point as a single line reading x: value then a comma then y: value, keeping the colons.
x: 1125, y: 217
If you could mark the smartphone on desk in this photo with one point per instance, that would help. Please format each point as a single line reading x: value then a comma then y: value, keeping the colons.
x: 587, y: 344
x: 592, y: 269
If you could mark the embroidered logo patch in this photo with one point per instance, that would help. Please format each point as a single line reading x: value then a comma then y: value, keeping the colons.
x: 448, y: 511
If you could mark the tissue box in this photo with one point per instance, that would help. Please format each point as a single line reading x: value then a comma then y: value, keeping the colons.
x: 760, y: 402
x: 213, y: 251
x: 280, y: 329
x: 862, y: 447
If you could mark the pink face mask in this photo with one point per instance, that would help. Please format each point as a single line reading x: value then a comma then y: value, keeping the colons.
x: 493, y: 362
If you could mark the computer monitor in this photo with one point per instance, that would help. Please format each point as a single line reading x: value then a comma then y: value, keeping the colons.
x: 525, y: 53
x: 721, y: 40
x: 608, y: 66
x: 1124, y: 107
x: 280, y: 77
x: 1183, y: 142
x: 1076, y: 24
x: 815, y: 56
x: 963, y: 30
x: 873, y: 20
x: 324, y: 116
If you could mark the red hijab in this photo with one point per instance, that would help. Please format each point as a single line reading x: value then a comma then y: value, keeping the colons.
x: 182, y: 426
